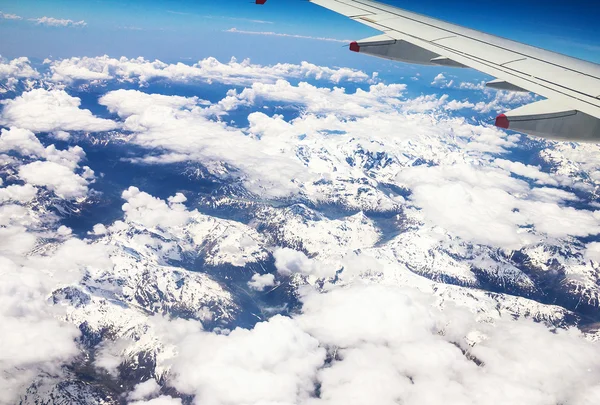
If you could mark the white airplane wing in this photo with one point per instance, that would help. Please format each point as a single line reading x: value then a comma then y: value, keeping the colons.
x: 571, y: 86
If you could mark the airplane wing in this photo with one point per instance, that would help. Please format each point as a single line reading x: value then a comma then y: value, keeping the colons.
x: 571, y: 86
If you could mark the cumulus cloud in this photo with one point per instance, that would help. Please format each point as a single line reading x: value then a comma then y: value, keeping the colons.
x: 503, y: 100
x: 21, y: 141
x: 592, y: 251
x: 58, y: 22
x: 441, y: 81
x: 199, y: 138
x: 151, y: 211
x: 320, y: 99
x: 129, y: 102
x: 384, y: 344
x: 260, y: 282
x: 534, y: 172
x: 144, y: 390
x: 55, y: 177
x: 18, y: 68
x: 18, y: 193
x: 488, y: 206
x: 99, y: 229
x: 458, y: 105
x: 54, y: 169
x: 425, y: 355
x: 35, y: 341
x: 43, y: 110
x: 472, y: 86
x: 495, y: 100
x: 276, y: 362
x: 206, y: 70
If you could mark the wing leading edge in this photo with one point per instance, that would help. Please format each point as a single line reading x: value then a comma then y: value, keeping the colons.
x: 571, y: 86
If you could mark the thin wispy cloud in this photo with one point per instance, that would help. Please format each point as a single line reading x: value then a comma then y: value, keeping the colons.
x: 222, y: 17
x: 132, y: 28
x: 177, y: 12
x: 57, y: 22
x: 279, y: 34
x: 581, y: 45
x: 240, y: 19
x: 6, y: 16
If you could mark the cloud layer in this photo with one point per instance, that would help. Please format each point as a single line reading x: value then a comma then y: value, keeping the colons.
x: 206, y: 70
x: 418, y: 196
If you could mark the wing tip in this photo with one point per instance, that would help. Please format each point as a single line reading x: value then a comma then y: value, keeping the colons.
x: 502, y: 121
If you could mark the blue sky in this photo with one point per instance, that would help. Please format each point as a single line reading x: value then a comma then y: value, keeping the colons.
x: 180, y: 30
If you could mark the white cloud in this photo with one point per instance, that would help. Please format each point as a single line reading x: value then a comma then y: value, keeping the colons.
x: 260, y: 282
x: 129, y: 102
x: 64, y: 231
x: 58, y: 22
x: 186, y: 134
x: 458, y: 105
x: 61, y: 135
x: 592, y: 251
x: 18, y: 68
x: 162, y: 400
x: 239, y: 19
x: 99, y: 229
x: 472, y: 86
x: 22, y: 141
x: 494, y: 100
x: 206, y: 70
x: 42, y: 110
x: 319, y: 99
x: 289, y: 261
x: 35, y: 342
x: 279, y: 34
x: 461, y: 198
x: 503, y: 100
x: 57, y: 172
x: 17, y: 193
x: 407, y: 351
x: 144, y: 390
x: 276, y: 362
x: 151, y: 211
x: 385, y: 344
x: 55, y: 177
x: 25, y: 143
x: 441, y: 81
x: 8, y: 16
x: 178, y: 198
x: 266, y: 155
x: 534, y: 172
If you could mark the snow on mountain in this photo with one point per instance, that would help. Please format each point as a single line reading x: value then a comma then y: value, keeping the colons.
x: 301, y: 228
x: 375, y: 222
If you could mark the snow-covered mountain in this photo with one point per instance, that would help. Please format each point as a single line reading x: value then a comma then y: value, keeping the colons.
x: 153, y: 248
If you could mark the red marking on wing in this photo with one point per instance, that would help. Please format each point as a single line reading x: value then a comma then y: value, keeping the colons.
x: 502, y: 121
